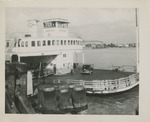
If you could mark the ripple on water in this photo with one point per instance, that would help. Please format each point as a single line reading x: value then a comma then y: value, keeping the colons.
x: 116, y: 104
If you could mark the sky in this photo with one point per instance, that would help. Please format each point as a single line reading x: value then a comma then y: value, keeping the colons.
x: 110, y: 25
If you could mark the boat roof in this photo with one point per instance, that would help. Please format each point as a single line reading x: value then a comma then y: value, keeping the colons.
x: 57, y: 19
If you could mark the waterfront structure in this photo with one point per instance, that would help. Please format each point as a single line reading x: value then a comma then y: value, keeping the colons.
x: 56, y: 47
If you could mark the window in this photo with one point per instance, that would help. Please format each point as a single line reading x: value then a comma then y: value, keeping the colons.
x: 19, y: 42
x: 38, y: 43
x: 44, y: 24
x: 65, y: 42
x: 33, y: 43
x: 22, y: 44
x: 47, y: 24
x: 44, y: 43
x: 64, y: 65
x: 57, y: 42
x: 53, y: 42
x: 68, y: 42
x: 61, y: 42
x: 26, y: 43
x: 53, y: 24
x: 7, y: 44
x: 64, y: 55
x: 49, y: 42
x: 74, y: 42
x: 71, y: 42
x: 79, y: 42
x: 15, y: 44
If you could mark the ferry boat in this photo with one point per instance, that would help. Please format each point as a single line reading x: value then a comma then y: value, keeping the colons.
x: 55, y: 50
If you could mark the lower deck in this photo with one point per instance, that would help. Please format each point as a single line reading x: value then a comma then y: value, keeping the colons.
x: 97, y: 74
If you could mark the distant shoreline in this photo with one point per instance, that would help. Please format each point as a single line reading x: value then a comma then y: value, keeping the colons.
x: 107, y: 47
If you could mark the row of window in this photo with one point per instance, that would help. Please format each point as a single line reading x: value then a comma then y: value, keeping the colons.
x: 53, y: 24
x: 44, y: 43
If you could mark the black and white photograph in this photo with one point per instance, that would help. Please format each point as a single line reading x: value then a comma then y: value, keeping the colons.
x: 72, y: 61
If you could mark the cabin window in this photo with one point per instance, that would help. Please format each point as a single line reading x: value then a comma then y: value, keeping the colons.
x: 65, y: 42
x: 53, y: 24
x: 33, y: 43
x: 61, y: 42
x: 22, y: 44
x: 64, y: 55
x: 57, y: 42
x: 26, y: 43
x: 15, y: 44
x: 71, y: 42
x: 74, y: 42
x: 53, y: 42
x: 78, y: 42
x: 7, y: 44
x: 44, y: 24
x: 68, y: 42
x: 18, y: 43
x: 38, y: 43
x: 50, y: 24
x: 44, y: 43
x: 48, y: 42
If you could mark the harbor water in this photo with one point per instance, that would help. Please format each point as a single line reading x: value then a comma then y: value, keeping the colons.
x: 107, y: 57
x: 113, y: 104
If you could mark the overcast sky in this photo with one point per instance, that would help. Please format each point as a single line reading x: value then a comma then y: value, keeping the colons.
x: 107, y: 25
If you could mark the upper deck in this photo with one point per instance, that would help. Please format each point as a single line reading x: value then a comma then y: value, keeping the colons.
x: 36, y: 45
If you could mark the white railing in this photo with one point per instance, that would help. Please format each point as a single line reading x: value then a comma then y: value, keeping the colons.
x: 107, y: 84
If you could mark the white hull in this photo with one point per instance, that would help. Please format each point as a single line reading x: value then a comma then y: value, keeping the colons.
x: 108, y: 86
x: 113, y: 91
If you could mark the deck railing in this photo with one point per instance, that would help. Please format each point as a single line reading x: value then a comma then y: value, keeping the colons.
x: 107, y: 84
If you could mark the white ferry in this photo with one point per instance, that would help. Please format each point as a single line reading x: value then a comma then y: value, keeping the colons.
x: 56, y: 48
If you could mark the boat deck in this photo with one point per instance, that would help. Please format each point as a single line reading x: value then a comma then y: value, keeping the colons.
x: 98, y: 74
